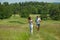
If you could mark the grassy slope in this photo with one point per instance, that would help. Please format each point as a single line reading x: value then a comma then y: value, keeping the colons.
x: 16, y: 28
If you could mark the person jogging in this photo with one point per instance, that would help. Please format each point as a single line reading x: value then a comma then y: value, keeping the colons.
x: 30, y: 25
x: 38, y: 20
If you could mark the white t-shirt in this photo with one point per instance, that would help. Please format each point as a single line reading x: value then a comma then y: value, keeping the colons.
x: 38, y: 21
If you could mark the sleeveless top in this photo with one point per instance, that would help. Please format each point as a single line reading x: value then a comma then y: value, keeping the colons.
x: 30, y: 22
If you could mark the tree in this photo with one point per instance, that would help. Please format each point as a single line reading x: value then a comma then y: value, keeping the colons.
x: 55, y: 13
x: 0, y: 3
x: 26, y: 8
x: 5, y: 3
x: 44, y: 12
x: 24, y: 12
x: 5, y: 11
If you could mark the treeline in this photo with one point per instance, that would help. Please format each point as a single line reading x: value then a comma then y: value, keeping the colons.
x: 24, y: 9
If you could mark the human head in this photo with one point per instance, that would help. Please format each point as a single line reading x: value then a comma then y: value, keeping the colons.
x: 29, y: 18
x: 37, y: 16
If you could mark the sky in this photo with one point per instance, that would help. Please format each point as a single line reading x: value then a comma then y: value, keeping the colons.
x: 13, y: 1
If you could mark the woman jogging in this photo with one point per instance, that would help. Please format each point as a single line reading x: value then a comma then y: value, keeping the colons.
x: 30, y: 25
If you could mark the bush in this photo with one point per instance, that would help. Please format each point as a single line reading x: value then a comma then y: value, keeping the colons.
x: 44, y: 12
x: 5, y: 12
x: 24, y: 13
x: 55, y: 14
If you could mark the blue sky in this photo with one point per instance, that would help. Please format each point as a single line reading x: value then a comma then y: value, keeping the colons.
x: 13, y: 1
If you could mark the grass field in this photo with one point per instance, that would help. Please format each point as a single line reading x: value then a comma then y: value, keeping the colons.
x: 17, y: 28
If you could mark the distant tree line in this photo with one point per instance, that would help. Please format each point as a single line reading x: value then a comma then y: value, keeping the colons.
x: 24, y: 9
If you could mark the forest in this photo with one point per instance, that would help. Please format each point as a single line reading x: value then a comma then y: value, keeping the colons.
x: 24, y: 9
x: 14, y: 24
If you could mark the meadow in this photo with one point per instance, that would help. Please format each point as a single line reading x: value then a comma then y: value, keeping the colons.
x: 17, y: 28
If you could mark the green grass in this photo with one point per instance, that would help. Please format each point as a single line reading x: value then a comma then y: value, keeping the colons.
x: 17, y: 28
x: 13, y: 35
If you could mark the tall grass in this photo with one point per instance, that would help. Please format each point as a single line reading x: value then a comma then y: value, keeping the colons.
x: 13, y: 35
x: 16, y: 28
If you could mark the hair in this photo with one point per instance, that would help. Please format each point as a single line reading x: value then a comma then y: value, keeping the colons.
x: 29, y: 18
x: 37, y: 16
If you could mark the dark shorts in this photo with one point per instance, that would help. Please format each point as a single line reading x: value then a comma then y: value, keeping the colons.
x: 38, y: 25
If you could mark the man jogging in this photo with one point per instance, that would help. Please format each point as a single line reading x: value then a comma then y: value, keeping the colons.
x: 38, y: 20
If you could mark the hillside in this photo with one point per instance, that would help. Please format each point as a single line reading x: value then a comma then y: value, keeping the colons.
x: 17, y: 28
